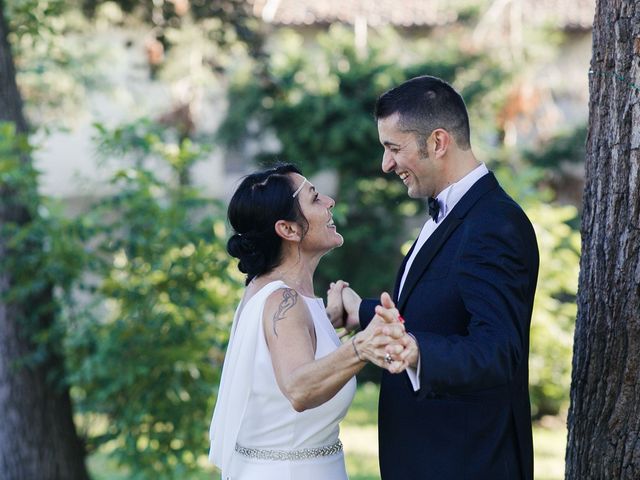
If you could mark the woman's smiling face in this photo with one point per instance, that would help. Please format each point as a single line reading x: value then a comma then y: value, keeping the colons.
x: 321, y: 234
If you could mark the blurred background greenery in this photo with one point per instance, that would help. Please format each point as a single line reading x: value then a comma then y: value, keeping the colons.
x: 144, y: 289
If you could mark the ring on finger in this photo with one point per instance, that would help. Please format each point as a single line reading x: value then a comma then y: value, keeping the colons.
x: 388, y: 359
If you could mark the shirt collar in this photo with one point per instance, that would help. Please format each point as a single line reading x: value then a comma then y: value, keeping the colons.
x: 450, y: 196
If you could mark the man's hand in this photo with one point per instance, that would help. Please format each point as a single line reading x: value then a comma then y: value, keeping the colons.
x: 403, y: 347
x: 335, y: 308
x: 374, y: 342
x: 399, y: 344
x: 351, y: 301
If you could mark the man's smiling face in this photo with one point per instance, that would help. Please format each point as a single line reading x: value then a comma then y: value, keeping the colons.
x: 403, y: 156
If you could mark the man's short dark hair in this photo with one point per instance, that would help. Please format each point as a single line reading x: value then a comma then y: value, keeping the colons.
x: 424, y: 104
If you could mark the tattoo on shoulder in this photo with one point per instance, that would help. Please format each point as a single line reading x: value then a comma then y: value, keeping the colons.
x: 289, y: 299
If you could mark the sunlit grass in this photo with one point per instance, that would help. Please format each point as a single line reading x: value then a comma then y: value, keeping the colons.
x: 549, y: 443
x: 101, y: 467
x: 359, y: 434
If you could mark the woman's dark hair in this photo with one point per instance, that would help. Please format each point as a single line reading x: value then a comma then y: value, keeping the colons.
x: 260, y: 201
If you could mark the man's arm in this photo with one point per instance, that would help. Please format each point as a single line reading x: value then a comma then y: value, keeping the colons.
x: 365, y: 311
x: 494, y: 282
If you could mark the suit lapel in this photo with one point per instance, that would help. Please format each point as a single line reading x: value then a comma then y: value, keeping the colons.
x: 396, y: 290
x: 442, y: 233
x: 426, y: 254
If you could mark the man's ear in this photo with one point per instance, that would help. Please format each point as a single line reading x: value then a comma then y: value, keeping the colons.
x: 441, y: 141
x: 288, y: 230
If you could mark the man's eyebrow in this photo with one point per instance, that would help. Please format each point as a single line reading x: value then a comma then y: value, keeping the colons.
x: 387, y: 143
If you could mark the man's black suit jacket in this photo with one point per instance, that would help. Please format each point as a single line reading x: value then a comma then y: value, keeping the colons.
x: 467, y: 300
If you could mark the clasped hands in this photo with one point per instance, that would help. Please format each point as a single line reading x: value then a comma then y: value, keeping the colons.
x: 385, y: 341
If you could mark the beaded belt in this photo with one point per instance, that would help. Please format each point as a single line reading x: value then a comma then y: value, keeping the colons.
x: 305, y: 453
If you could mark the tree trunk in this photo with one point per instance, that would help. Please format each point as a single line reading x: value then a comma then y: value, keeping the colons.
x: 10, y: 100
x: 38, y: 439
x: 604, y: 417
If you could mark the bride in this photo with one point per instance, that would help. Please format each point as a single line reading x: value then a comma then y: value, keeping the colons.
x: 287, y: 380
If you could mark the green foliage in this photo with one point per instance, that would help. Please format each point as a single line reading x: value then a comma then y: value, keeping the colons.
x: 56, y: 65
x: 29, y: 17
x: 146, y: 350
x: 224, y: 23
x: 555, y: 309
x: 38, y: 252
x: 318, y: 103
x: 566, y: 146
x: 149, y: 145
x: 17, y: 175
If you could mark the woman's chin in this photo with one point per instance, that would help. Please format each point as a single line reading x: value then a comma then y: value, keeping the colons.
x: 336, y: 242
x: 340, y: 240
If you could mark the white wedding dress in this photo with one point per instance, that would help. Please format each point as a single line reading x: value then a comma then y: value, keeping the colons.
x: 255, y: 432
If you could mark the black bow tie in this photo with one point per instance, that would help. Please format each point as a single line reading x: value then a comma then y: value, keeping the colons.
x: 434, y: 208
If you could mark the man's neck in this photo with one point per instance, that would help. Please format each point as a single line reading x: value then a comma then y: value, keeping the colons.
x: 460, y: 165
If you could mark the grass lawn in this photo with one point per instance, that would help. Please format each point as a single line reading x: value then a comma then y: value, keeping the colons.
x: 359, y: 435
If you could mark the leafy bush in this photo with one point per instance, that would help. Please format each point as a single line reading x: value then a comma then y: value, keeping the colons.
x: 147, y: 346
x: 565, y: 147
x: 38, y: 254
x: 554, y: 310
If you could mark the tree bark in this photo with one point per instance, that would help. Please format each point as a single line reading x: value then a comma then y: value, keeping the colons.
x: 38, y: 439
x: 604, y: 417
x: 10, y: 100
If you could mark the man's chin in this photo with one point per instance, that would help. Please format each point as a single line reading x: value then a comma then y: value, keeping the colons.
x: 412, y: 193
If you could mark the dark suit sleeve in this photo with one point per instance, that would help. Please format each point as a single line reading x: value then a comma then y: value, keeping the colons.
x: 493, y: 276
x: 367, y: 311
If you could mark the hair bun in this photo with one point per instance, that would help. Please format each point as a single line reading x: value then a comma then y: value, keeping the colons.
x: 247, y: 244
x: 240, y: 245
x: 245, y: 248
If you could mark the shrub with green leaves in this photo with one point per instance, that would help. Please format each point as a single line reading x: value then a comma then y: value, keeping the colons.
x: 39, y: 255
x: 554, y: 309
x: 146, y: 349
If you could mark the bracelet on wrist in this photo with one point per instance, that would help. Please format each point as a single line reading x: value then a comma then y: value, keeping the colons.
x: 353, y: 343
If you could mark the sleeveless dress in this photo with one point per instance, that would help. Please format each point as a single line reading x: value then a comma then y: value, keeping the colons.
x: 255, y: 432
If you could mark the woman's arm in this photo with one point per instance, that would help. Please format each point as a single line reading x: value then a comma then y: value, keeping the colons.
x: 290, y: 335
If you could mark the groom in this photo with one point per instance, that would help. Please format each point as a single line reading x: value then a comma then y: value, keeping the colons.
x: 465, y: 290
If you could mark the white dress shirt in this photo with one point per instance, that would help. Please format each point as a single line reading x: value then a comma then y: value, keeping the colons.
x: 448, y: 198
